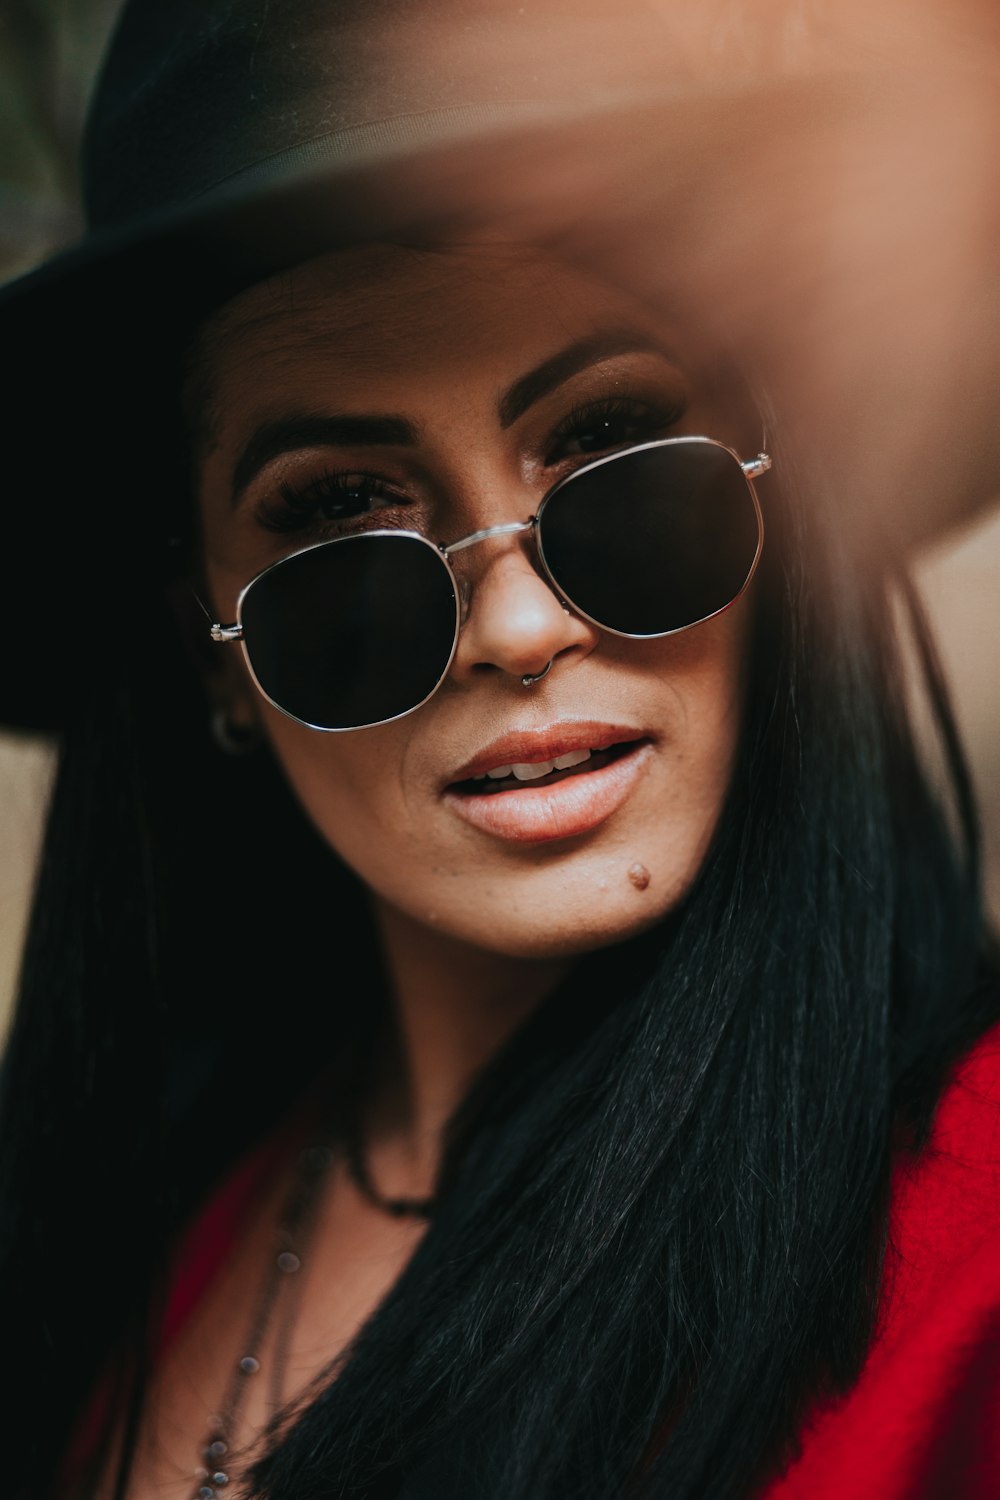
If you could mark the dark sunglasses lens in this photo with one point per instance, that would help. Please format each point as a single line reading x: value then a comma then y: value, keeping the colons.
x: 352, y: 632
x: 655, y: 539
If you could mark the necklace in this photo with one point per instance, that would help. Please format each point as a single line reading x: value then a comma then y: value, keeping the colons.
x: 418, y: 1208
x: 365, y: 1086
x: 212, y: 1474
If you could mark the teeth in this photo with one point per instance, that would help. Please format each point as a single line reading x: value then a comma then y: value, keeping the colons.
x: 571, y: 758
x: 533, y: 770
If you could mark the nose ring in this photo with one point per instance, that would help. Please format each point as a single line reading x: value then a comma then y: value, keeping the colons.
x: 528, y: 681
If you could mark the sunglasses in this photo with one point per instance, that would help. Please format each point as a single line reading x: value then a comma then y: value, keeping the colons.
x: 362, y: 629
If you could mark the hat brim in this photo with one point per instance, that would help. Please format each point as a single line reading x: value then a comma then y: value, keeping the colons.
x: 95, y: 339
x: 687, y: 189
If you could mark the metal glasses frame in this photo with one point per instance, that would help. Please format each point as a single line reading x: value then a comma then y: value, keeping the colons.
x: 751, y: 468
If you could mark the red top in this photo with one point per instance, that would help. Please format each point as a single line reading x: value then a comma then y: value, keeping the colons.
x: 923, y: 1420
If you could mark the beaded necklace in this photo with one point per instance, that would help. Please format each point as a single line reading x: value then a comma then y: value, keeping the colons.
x: 212, y: 1475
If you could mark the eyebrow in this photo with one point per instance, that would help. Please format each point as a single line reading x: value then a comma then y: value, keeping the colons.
x: 570, y: 361
x: 312, y: 430
x: 306, y: 430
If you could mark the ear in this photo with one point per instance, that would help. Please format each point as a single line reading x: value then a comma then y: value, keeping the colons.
x: 233, y: 700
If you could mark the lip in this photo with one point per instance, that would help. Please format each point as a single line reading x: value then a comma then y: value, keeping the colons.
x: 564, y: 809
x: 522, y: 746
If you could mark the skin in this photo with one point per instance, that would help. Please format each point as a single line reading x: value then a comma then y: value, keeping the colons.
x: 477, y: 929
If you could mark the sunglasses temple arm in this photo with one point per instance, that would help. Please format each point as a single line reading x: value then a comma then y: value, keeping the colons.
x: 218, y: 632
x: 763, y: 460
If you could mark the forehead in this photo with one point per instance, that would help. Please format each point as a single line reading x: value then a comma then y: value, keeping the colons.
x: 387, y: 313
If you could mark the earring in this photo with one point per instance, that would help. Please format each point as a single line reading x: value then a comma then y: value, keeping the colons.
x: 233, y: 739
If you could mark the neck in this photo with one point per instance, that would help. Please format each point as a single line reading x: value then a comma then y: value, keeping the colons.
x: 453, y: 1005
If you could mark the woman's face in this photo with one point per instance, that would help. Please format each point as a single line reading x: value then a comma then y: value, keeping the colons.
x: 501, y: 373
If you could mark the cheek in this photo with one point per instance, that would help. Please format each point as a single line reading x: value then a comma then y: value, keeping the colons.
x: 364, y: 795
x: 704, y: 675
x: 705, y: 672
x: 350, y: 788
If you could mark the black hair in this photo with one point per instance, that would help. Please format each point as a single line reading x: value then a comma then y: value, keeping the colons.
x: 663, y: 1202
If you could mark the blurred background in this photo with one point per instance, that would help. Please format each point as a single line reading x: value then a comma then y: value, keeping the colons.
x: 49, y: 53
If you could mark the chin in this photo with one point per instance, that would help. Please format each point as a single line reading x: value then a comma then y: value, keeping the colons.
x: 535, y: 925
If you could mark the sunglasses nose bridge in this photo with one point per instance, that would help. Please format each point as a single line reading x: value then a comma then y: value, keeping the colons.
x: 508, y: 528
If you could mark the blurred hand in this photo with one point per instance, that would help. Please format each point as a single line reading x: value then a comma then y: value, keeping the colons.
x: 812, y: 187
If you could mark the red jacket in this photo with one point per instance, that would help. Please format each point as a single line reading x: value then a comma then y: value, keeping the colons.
x: 923, y: 1420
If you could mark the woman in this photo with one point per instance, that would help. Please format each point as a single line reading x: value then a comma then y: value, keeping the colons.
x: 505, y: 1068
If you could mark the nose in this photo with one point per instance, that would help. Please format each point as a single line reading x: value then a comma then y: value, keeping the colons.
x: 514, y: 621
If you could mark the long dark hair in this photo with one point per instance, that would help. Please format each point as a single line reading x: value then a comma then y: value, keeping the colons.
x: 663, y: 1202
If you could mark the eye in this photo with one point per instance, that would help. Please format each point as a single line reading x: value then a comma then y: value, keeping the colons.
x: 330, y: 498
x: 615, y: 422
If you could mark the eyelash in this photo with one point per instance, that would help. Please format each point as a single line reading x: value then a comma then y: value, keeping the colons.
x: 644, y: 418
x: 302, y: 506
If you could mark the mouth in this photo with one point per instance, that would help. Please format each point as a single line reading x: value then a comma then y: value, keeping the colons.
x: 539, y: 774
x: 540, y: 800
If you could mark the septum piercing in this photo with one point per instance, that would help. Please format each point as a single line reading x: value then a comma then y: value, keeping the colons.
x: 528, y: 681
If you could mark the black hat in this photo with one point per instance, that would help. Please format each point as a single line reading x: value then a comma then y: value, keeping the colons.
x: 228, y: 139
x: 225, y: 141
